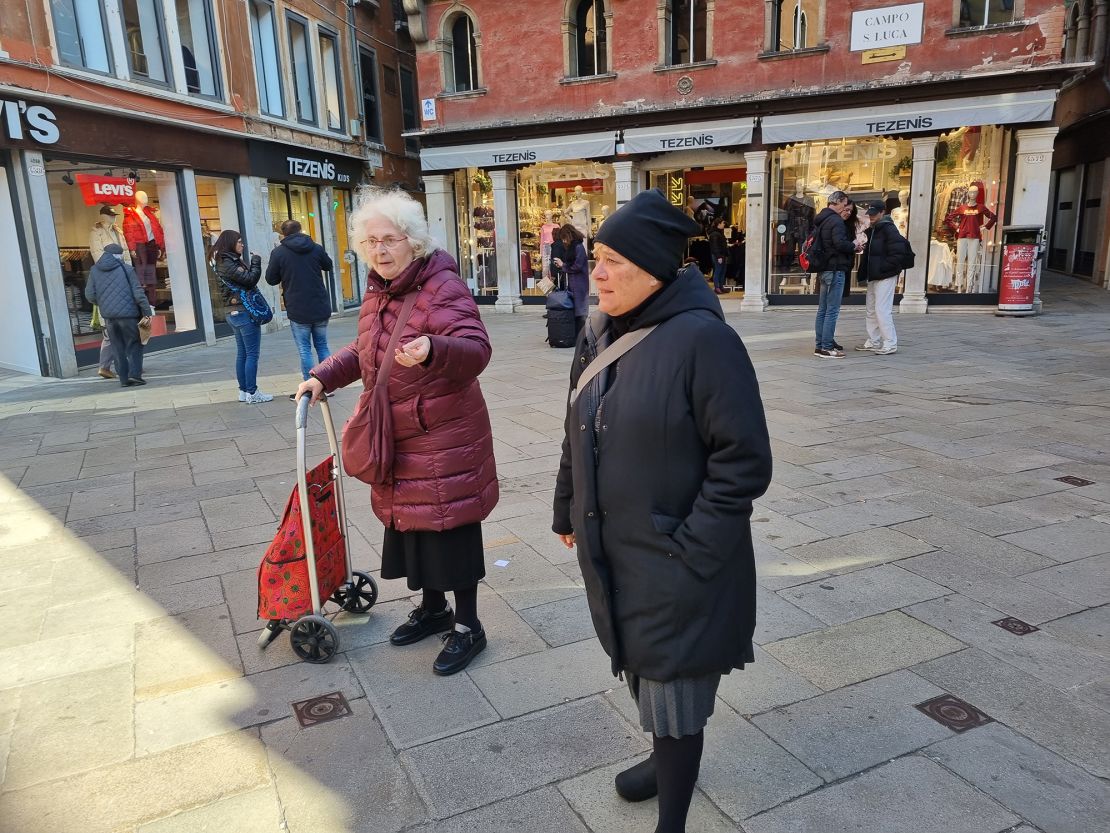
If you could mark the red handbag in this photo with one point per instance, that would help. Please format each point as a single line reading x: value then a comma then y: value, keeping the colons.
x: 367, y: 447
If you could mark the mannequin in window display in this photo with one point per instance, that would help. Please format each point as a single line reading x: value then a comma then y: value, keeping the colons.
x: 105, y: 232
x: 901, y: 213
x: 967, y: 220
x: 969, y: 147
x: 547, y: 237
x: 145, y: 240
x: 800, y: 212
x: 578, y: 212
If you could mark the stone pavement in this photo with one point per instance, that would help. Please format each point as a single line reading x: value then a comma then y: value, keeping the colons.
x: 917, y: 501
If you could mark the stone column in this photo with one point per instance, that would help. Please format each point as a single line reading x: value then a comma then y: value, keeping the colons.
x: 194, y: 240
x: 921, y: 215
x: 507, y: 235
x: 627, y: 176
x: 755, y: 253
x: 439, y: 192
x: 1032, y: 183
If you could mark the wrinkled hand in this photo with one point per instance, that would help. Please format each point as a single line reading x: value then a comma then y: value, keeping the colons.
x: 312, y: 386
x: 568, y: 540
x: 414, y: 353
x: 144, y: 321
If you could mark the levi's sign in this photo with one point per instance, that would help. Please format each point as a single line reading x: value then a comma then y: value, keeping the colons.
x: 112, y: 190
x: 22, y: 120
x: 889, y: 26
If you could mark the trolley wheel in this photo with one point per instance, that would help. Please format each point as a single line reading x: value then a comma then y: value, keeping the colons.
x: 314, y: 639
x: 269, y: 633
x: 357, y: 596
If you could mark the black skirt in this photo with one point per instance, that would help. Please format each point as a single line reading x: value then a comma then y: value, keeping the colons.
x: 450, y: 560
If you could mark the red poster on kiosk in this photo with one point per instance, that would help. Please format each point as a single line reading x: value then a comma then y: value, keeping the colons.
x: 1019, y: 279
x: 109, y: 190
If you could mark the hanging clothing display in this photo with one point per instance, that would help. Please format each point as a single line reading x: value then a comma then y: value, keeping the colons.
x: 941, y: 265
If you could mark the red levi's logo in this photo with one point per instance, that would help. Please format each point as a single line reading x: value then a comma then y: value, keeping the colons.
x: 111, y: 190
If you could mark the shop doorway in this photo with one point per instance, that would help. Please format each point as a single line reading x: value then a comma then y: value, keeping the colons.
x: 218, y: 200
x: 18, y: 332
x: 347, y: 262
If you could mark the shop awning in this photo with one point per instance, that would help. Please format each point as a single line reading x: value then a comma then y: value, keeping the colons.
x: 918, y: 117
x: 705, y: 134
x: 520, y: 152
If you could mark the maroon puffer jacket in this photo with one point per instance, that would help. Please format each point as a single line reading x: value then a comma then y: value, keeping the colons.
x: 443, y: 469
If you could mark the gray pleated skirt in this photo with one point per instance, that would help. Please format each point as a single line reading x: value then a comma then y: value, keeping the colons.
x: 675, y: 708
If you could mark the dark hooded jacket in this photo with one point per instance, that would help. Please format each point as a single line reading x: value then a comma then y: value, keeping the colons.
x: 113, y: 286
x: 839, y: 248
x: 882, y: 256
x: 296, y: 264
x: 664, y: 453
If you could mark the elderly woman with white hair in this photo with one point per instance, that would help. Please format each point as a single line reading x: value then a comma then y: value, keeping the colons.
x: 420, y: 434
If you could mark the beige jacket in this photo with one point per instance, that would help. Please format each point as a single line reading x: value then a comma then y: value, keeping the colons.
x: 101, y: 236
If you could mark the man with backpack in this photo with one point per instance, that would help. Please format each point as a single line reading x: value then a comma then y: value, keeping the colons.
x: 885, y: 255
x: 829, y: 252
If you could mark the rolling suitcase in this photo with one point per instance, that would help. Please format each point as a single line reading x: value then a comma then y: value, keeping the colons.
x: 560, y: 315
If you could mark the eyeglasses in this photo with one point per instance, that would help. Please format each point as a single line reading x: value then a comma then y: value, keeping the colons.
x: 388, y: 242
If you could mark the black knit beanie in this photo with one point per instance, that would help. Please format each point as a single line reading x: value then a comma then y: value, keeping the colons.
x: 650, y: 232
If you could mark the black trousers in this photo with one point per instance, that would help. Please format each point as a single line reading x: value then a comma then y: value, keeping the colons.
x: 124, y: 334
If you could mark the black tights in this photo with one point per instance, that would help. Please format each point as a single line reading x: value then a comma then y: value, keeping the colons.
x: 677, y: 761
x: 466, y: 605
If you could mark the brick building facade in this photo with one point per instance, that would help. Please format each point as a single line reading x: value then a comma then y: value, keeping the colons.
x: 538, y: 113
x: 222, y: 113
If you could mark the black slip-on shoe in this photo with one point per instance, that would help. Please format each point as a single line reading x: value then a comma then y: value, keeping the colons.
x: 638, y: 783
x: 138, y: 380
x: 458, y: 650
x: 422, y: 624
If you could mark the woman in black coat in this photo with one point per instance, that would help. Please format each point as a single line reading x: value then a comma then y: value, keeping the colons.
x: 235, y: 274
x: 655, y: 488
x: 568, y: 257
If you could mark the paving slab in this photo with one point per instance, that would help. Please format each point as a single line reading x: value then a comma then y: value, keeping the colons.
x: 859, y: 516
x: 1067, y: 541
x: 1056, y: 507
x: 1089, y: 629
x: 999, y: 555
x: 191, y: 649
x: 515, y: 756
x: 839, y: 599
x: 562, y: 622
x: 856, y: 727
x: 762, y: 685
x: 863, y: 465
x: 776, y: 618
x: 165, y: 542
x: 255, y: 811
x: 46, y: 659
x: 1086, y: 581
x: 856, y: 651
x: 1054, y: 794
x: 529, y: 579
x: 890, y: 798
x: 860, y: 549
x: 989, y: 521
x: 781, y: 531
x: 1070, y: 727
x: 542, y: 811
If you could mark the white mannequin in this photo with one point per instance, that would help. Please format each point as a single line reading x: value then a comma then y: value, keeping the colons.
x: 604, y: 215
x: 104, y: 232
x: 578, y: 212
x: 547, y: 237
x: 901, y: 214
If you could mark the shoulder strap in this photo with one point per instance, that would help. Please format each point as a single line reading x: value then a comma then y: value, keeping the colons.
x: 399, y: 325
x: 609, y: 355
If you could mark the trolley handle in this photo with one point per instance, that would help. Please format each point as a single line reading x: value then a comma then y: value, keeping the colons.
x: 302, y: 408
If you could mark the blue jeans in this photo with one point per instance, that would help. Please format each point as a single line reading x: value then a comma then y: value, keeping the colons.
x: 248, y: 342
x: 828, y: 308
x: 719, y: 270
x: 307, y: 336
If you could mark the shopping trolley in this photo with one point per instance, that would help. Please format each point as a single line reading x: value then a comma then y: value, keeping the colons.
x: 309, y: 564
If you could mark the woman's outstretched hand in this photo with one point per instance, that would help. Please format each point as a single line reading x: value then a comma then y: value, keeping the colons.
x: 313, y: 386
x: 568, y: 540
x: 414, y: 353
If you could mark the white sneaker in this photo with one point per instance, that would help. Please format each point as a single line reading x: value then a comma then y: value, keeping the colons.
x: 867, y: 345
x: 258, y: 397
x: 243, y: 396
x: 886, y: 351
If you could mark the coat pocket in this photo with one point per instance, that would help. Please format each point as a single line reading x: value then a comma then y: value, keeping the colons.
x: 666, y: 524
x: 408, y: 419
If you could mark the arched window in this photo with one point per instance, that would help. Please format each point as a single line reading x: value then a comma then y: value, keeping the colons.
x: 461, y: 55
x: 800, y: 26
x: 1077, y: 33
x: 687, y: 25
x: 589, y: 39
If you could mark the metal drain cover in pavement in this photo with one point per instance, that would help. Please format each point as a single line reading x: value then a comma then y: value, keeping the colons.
x: 949, y: 710
x: 321, y: 709
x: 1015, y: 626
x: 1072, y: 480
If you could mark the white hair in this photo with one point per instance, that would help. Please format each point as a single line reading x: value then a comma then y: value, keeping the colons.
x: 398, y: 208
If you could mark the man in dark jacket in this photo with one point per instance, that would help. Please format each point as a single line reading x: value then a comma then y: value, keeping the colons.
x: 718, y: 253
x: 114, y: 287
x: 663, y: 538
x: 297, y: 263
x: 881, y: 264
x: 838, y: 250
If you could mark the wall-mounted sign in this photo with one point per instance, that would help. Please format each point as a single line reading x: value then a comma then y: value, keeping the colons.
x: 888, y: 26
x: 23, y: 121
x: 297, y: 164
x: 428, y: 109
x: 112, y: 190
x: 518, y: 152
x: 708, y: 134
x: 888, y: 53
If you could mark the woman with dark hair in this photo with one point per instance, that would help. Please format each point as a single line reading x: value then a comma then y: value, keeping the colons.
x: 234, y: 273
x: 568, y: 257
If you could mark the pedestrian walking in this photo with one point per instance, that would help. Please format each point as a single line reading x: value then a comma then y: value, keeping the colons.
x: 838, y: 251
x: 655, y: 489
x: 568, y: 257
x: 442, y: 482
x: 107, y: 354
x: 718, y: 253
x: 298, y: 264
x: 235, y: 274
x: 884, y: 258
x: 114, y: 288
x: 736, y: 253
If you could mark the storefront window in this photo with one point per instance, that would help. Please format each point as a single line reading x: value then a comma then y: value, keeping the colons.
x: 347, y: 263
x: 803, y: 176
x: 290, y: 201
x: 474, y: 210
x: 219, y: 211
x: 966, y: 205
x: 95, y: 204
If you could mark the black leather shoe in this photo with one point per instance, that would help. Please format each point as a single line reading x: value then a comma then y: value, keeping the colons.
x: 637, y: 783
x: 138, y: 380
x: 458, y: 650
x: 422, y: 624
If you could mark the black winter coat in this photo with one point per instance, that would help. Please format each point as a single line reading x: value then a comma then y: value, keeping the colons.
x: 113, y: 286
x: 661, y: 510
x: 296, y: 264
x: 718, y: 245
x: 231, y: 268
x: 835, y: 242
x: 882, y: 255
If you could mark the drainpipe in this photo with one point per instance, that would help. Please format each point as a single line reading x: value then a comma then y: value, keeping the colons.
x: 357, y: 65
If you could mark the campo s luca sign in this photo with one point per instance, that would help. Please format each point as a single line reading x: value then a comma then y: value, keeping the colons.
x: 889, y: 26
